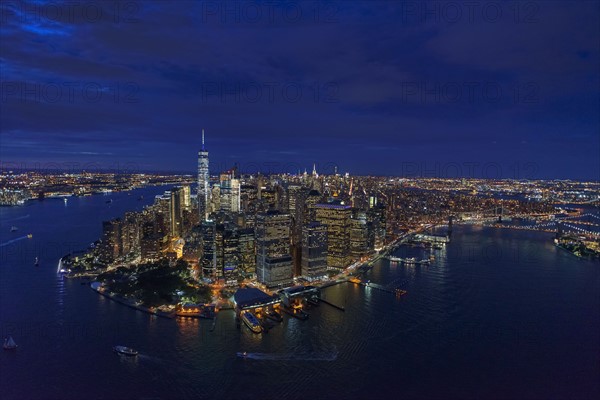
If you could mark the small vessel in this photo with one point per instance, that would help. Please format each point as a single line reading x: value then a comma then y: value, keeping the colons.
x: 14, y: 229
x: 400, y: 292
x: 36, y: 262
x: 242, y: 354
x: 251, y: 322
x: 65, y: 200
x: 29, y: 236
x: 127, y: 351
x: 109, y: 201
x: 9, y: 344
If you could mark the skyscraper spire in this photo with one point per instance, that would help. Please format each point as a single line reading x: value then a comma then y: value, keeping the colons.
x: 202, y: 139
x: 314, y: 169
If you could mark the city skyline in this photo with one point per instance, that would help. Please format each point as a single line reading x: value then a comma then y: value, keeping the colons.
x: 408, y: 92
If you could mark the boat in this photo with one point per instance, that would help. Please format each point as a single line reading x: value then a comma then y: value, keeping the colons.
x: 242, y: 354
x: 400, y: 292
x: 410, y: 260
x: 109, y: 201
x: 14, y: 229
x: 251, y: 322
x: 36, y: 262
x: 29, y: 236
x: 9, y: 344
x: 65, y: 200
x: 126, y: 351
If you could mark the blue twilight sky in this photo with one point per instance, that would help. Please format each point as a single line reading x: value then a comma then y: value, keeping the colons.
x: 465, y: 88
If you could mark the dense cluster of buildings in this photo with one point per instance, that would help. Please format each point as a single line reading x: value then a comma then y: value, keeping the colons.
x: 275, y: 228
x: 271, y: 229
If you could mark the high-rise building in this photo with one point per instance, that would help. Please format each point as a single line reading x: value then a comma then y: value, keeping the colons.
x: 310, y: 202
x: 110, y: 246
x: 231, y: 255
x: 247, y: 252
x: 175, y: 211
x: 377, y: 223
x: 208, y: 262
x: 337, y: 218
x: 314, y: 250
x: 273, y: 260
x: 203, y: 182
x: 359, y: 236
x: 229, y: 192
x: 186, y: 202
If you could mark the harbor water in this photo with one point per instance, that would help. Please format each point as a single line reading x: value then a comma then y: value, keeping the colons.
x: 499, y: 313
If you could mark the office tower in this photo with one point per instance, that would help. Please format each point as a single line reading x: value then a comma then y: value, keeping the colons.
x: 247, y: 252
x: 231, y: 255
x: 312, y: 199
x: 314, y: 250
x: 273, y: 259
x: 377, y: 222
x: 229, y: 193
x: 214, y: 202
x: 359, y: 235
x: 248, y: 196
x: 203, y: 182
x: 186, y: 201
x: 268, y: 200
x: 337, y: 218
x: 175, y: 212
x: 110, y: 246
x: 208, y: 262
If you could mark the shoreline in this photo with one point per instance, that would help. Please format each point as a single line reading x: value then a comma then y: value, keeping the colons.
x: 97, y: 286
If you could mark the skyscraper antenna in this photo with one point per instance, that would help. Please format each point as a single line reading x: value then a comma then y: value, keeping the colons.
x: 202, y: 139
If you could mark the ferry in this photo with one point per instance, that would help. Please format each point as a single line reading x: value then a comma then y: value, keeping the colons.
x: 410, y: 260
x: 251, y: 322
x: 127, y: 351
x: 242, y: 354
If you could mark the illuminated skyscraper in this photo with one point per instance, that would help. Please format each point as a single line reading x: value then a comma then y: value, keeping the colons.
x: 203, y: 185
x: 314, y: 250
x: 337, y: 218
x: 175, y: 211
x: 208, y: 261
x: 273, y: 259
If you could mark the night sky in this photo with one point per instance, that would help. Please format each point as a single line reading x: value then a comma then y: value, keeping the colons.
x: 493, y: 89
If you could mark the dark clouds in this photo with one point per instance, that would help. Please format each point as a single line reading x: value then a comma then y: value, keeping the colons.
x: 370, y: 86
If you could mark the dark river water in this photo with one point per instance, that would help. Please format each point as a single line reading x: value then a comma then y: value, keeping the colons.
x: 498, y: 314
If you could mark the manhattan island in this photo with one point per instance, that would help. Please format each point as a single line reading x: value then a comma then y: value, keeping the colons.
x: 264, y: 245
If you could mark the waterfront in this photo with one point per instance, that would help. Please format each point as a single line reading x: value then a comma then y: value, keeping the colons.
x: 499, y: 313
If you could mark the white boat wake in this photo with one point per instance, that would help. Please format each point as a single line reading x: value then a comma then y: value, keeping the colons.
x: 328, y: 356
x: 13, y: 241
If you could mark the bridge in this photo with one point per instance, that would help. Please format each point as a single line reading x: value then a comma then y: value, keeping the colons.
x: 583, y: 224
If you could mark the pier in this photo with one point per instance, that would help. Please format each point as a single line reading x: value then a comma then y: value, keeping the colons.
x: 333, y: 305
x: 396, y: 291
x: 408, y: 260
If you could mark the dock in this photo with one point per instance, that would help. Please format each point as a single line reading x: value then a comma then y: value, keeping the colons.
x: 332, y: 305
x: 396, y: 291
x: 408, y: 260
